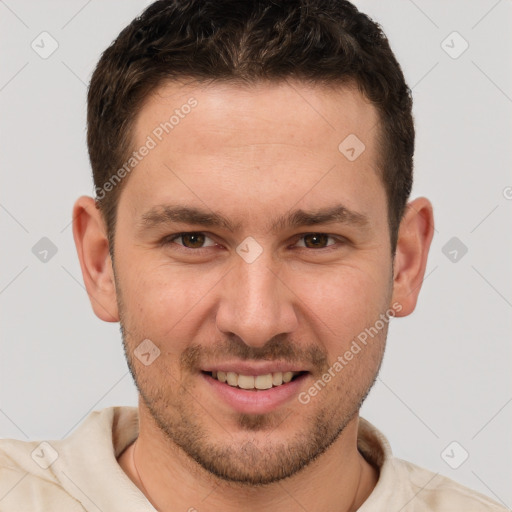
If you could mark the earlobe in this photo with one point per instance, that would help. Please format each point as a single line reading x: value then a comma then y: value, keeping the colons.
x: 92, y: 247
x: 414, y: 239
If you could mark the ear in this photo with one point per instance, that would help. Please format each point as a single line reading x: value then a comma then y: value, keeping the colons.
x: 92, y: 246
x: 414, y: 238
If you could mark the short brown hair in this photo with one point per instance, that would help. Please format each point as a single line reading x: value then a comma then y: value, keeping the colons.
x: 317, y: 41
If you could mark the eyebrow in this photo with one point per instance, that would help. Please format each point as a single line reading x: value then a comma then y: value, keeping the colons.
x: 166, y: 214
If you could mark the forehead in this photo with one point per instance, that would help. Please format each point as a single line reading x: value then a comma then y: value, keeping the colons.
x: 249, y: 113
x: 263, y: 140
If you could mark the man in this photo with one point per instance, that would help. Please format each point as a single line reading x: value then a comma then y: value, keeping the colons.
x: 252, y: 234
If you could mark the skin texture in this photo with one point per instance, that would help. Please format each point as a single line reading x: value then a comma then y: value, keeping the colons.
x: 253, y: 154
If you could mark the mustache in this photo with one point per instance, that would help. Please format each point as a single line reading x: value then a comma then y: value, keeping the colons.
x: 279, y: 348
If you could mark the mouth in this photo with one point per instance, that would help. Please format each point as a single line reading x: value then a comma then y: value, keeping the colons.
x: 254, y: 388
x: 255, y: 382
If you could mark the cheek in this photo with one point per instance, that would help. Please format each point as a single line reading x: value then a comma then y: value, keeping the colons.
x: 168, y: 303
x: 345, y: 298
x: 164, y: 302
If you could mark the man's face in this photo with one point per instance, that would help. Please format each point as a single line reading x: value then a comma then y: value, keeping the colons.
x: 267, y: 292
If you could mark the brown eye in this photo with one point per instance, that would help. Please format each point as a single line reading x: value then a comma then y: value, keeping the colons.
x: 193, y: 240
x: 316, y: 240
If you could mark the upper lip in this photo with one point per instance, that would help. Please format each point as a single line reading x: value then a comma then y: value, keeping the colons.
x: 260, y: 368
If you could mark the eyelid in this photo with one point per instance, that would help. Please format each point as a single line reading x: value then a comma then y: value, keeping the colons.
x: 334, y: 237
x: 169, y: 239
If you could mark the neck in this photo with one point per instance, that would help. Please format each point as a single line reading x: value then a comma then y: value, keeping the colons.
x: 339, y: 480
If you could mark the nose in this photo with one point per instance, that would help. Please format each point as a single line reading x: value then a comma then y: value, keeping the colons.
x: 256, y: 303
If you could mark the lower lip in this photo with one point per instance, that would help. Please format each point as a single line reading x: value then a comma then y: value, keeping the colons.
x: 259, y: 401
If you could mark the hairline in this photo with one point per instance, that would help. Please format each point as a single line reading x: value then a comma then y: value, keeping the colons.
x: 332, y: 83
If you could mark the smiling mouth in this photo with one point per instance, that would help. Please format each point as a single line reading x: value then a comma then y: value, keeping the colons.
x: 254, y: 383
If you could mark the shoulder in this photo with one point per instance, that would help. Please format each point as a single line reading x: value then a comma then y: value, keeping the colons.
x: 64, y: 474
x: 433, y: 491
x: 408, y: 487
x: 27, y: 482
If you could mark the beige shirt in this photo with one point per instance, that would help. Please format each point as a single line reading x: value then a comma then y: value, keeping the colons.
x: 81, y: 473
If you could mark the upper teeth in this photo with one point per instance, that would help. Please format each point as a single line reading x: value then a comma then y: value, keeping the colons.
x: 254, y: 382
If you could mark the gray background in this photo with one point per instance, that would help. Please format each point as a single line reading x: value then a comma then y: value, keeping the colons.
x: 446, y: 372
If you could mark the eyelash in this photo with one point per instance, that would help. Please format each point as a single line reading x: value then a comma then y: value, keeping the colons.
x: 169, y: 240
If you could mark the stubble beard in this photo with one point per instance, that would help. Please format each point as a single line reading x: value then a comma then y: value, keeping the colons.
x: 256, y: 458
